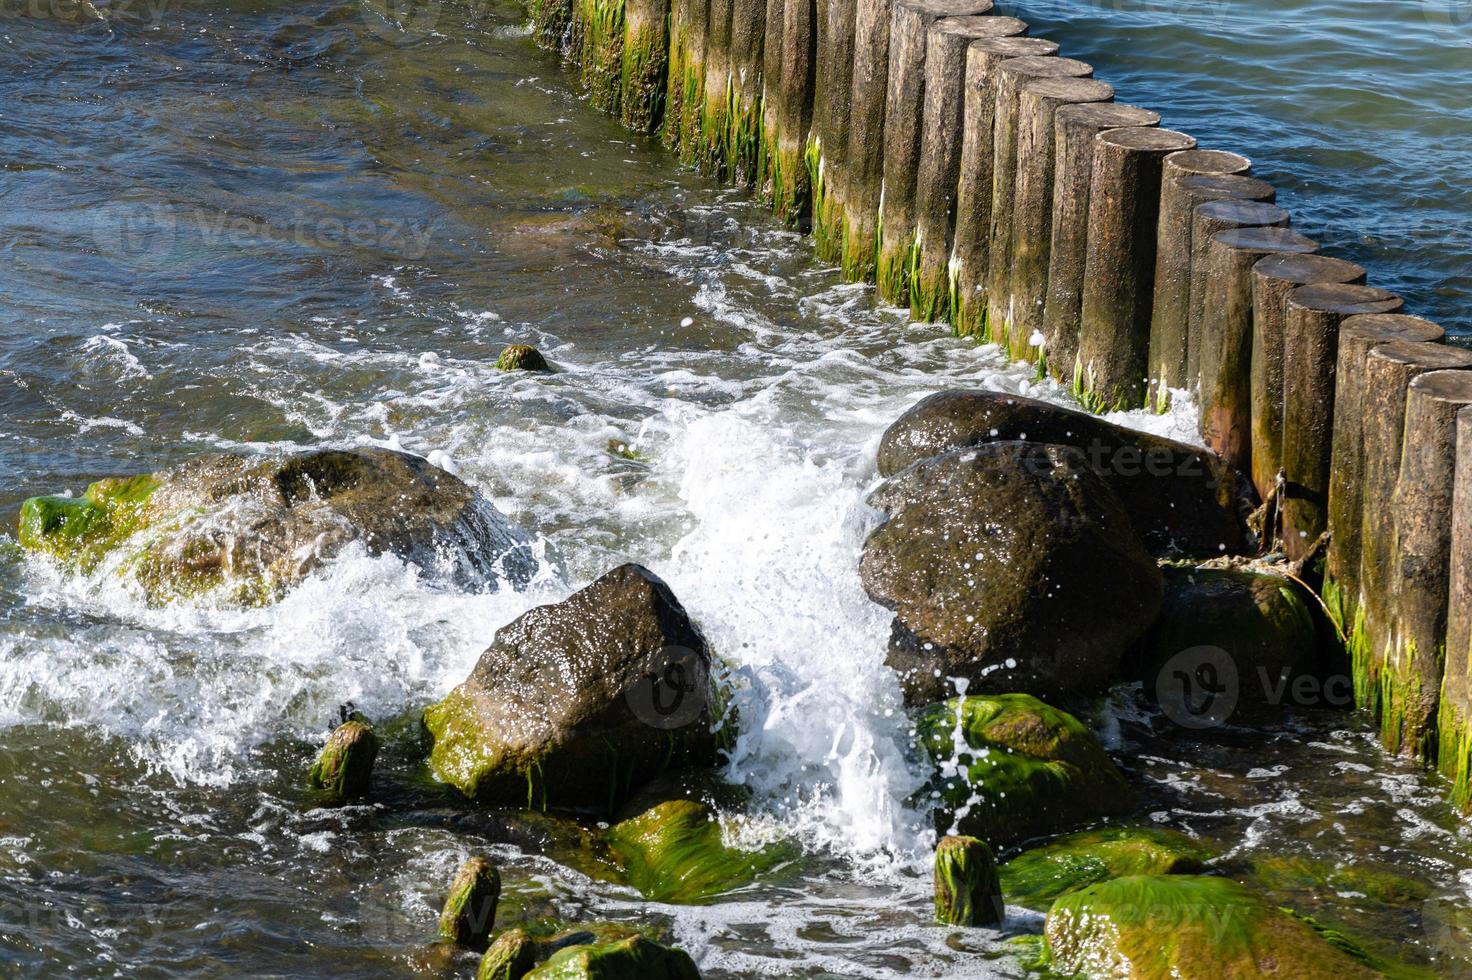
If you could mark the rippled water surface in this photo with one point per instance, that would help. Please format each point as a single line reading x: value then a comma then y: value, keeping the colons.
x: 250, y: 227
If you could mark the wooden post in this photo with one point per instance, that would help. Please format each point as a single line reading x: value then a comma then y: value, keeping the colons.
x: 967, y: 266
x: 967, y: 891
x: 715, y: 110
x: 903, y: 116
x: 832, y: 109
x: 1032, y: 207
x: 599, y: 34
x: 1011, y: 76
x: 1168, y: 312
x: 864, y: 164
x: 1272, y: 279
x: 743, y: 134
x: 645, y: 64
x: 1310, y: 351
x: 1225, y: 387
x: 685, y: 95
x: 1389, y: 369
x: 940, y: 154
x: 1454, y: 720
x: 1206, y: 221
x: 550, y: 20
x: 1074, y: 130
x: 1124, y: 210
x: 1358, y: 335
x: 787, y: 78
x: 1422, y: 512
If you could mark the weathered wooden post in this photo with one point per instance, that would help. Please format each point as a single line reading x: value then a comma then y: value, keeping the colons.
x: 1168, y: 311
x: 1225, y: 388
x: 685, y: 92
x: 1454, y: 719
x: 1272, y: 279
x: 1312, y: 315
x: 743, y: 134
x: 550, y: 20
x: 715, y: 108
x: 1422, y: 512
x: 1206, y: 221
x: 1124, y: 208
x: 968, y: 261
x: 967, y: 892
x: 1074, y: 130
x: 1389, y: 369
x: 940, y: 154
x: 1010, y: 77
x: 1032, y: 207
x: 864, y: 163
x: 1358, y: 335
x: 599, y: 31
x: 642, y: 78
x: 787, y: 79
x: 832, y: 108
x: 903, y: 115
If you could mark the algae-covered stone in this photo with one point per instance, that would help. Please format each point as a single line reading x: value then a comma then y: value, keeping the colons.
x: 521, y: 357
x: 1009, y: 767
x: 1162, y: 927
x: 966, y: 888
x: 635, y: 958
x: 1039, y: 875
x: 251, y: 527
x: 469, y: 912
x: 511, y: 957
x: 1182, y: 498
x: 1012, y: 566
x: 345, y: 765
x: 676, y: 852
x: 580, y: 702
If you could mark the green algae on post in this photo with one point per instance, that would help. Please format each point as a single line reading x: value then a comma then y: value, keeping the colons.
x: 511, y: 957
x: 469, y: 913
x: 521, y: 357
x: 635, y: 958
x: 345, y: 765
x: 601, y: 34
x: 966, y: 889
x: 644, y: 64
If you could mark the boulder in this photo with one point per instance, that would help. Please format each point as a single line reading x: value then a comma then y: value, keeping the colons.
x: 577, y: 703
x: 1229, y: 645
x: 1182, y: 498
x: 635, y: 958
x: 1009, y: 768
x: 251, y: 527
x: 1012, y: 566
x: 521, y: 357
x: 1160, y: 927
x: 677, y: 852
x: 1041, y: 874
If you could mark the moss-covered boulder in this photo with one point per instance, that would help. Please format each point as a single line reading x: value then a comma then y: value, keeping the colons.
x: 469, y: 912
x: 1162, y: 927
x: 677, y: 852
x: 994, y: 561
x: 521, y: 357
x: 578, y: 703
x: 966, y: 888
x: 344, y: 767
x: 1183, y: 499
x: 636, y: 958
x: 248, y: 528
x: 1249, y: 638
x: 511, y: 957
x: 1010, y: 768
x: 1041, y: 874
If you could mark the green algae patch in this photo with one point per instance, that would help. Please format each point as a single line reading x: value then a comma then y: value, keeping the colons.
x: 1312, y: 877
x: 635, y: 958
x: 462, y: 757
x: 345, y: 766
x: 80, y: 531
x: 1036, y: 877
x: 966, y: 888
x: 1155, y: 927
x: 511, y: 957
x: 469, y: 912
x: 1009, y: 767
x: 521, y: 357
x: 677, y: 852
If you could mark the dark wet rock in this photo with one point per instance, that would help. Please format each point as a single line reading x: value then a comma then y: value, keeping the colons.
x: 1039, y: 875
x: 521, y: 357
x: 577, y: 703
x: 1011, y: 768
x: 1183, y: 499
x: 966, y: 889
x: 1160, y: 927
x: 469, y: 913
x: 1230, y: 644
x: 1011, y: 565
x: 344, y: 767
x: 248, y: 528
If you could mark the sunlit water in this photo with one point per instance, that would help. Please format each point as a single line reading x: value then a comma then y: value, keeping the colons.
x: 265, y: 226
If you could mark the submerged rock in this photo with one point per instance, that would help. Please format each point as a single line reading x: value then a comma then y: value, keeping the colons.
x: 577, y: 703
x: 635, y: 958
x: 1153, y: 927
x: 1012, y: 566
x: 1010, y: 767
x: 345, y: 765
x: 254, y: 526
x: 511, y: 957
x: 521, y: 357
x: 966, y: 889
x: 469, y: 913
x: 676, y: 852
x: 1181, y: 498
x: 1041, y: 874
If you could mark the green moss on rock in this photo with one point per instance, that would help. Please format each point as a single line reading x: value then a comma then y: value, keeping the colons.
x: 511, y: 957
x: 1039, y: 875
x: 635, y: 958
x: 1009, y: 767
x: 521, y: 357
x: 345, y: 765
x: 966, y: 888
x: 79, y: 531
x: 469, y: 912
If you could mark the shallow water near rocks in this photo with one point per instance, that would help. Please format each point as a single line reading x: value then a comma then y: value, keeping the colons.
x: 253, y: 227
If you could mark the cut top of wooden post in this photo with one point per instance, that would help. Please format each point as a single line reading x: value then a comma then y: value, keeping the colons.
x: 1379, y: 327
x: 1306, y: 269
x: 1222, y: 187
x: 980, y: 26
x: 1344, y: 299
x: 988, y: 52
x: 1262, y: 238
x: 1194, y: 162
x: 1230, y: 212
x: 934, y: 9
x: 1142, y: 139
